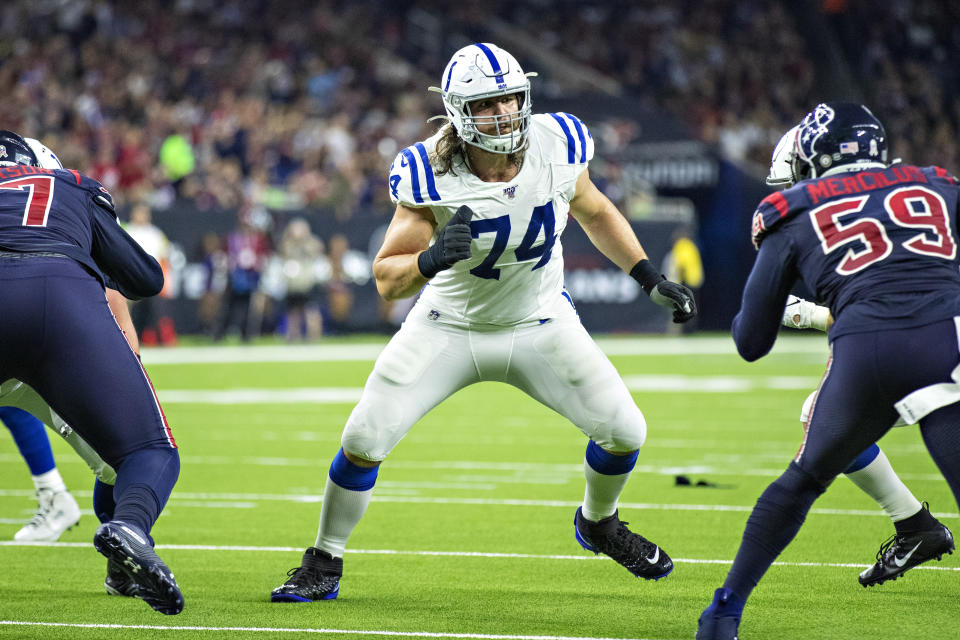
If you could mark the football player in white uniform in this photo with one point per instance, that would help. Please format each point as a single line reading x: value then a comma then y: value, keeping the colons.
x: 871, y: 470
x: 493, y: 189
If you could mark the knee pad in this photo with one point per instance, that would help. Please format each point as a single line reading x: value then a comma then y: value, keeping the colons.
x: 375, y: 426
x: 625, y: 430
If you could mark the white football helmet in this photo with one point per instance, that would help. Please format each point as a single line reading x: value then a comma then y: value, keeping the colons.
x: 479, y: 71
x: 783, y: 165
x: 46, y: 159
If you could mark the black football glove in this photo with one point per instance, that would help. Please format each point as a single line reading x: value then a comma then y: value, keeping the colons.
x: 664, y: 292
x: 452, y: 244
x: 671, y: 294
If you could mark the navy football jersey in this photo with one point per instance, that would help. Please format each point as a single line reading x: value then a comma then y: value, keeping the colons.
x: 879, y: 247
x: 61, y: 211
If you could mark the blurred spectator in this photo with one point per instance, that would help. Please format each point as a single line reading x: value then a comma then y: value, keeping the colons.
x: 683, y: 264
x: 216, y: 265
x: 134, y: 162
x: 247, y: 251
x: 339, y: 288
x: 105, y: 168
x: 299, y: 252
x: 151, y: 329
x: 176, y: 158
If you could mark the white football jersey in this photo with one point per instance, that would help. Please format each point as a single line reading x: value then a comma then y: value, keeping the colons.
x: 515, y: 274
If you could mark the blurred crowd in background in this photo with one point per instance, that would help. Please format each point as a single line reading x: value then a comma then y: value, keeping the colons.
x: 284, y: 106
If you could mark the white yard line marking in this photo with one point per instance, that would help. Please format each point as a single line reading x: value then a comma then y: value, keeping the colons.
x: 366, y: 352
x: 259, y: 395
x: 350, y: 395
x: 813, y: 346
x: 342, y: 632
x: 450, y: 554
x: 716, y: 384
x: 245, y: 498
x: 522, y: 473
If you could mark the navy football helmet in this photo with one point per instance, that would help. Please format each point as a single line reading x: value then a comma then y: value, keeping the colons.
x: 15, y: 150
x: 837, y: 134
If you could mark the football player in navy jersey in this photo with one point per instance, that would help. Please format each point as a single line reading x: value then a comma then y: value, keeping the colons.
x: 877, y: 244
x: 57, y: 510
x: 60, y: 246
x: 871, y: 470
x: 492, y: 190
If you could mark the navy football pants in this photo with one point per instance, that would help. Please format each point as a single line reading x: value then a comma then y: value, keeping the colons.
x: 59, y: 336
x: 867, y: 374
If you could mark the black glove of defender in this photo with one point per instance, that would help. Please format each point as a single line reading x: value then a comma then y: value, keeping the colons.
x: 665, y: 293
x: 452, y: 245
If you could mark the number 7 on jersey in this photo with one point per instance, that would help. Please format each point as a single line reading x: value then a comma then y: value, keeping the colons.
x: 39, y: 196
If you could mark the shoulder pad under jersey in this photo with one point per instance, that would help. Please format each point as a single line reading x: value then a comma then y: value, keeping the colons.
x: 774, y: 209
x: 942, y: 174
x: 565, y: 136
x: 97, y: 191
x: 412, y: 181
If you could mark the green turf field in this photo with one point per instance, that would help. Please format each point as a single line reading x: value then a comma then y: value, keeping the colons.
x: 470, y: 532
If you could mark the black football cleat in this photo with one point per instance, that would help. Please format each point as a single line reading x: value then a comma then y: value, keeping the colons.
x: 721, y: 620
x: 117, y: 583
x: 129, y: 549
x: 317, y: 578
x: 611, y: 537
x: 902, y: 552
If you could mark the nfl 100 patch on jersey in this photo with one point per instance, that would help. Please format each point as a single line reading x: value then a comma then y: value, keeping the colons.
x: 516, y: 269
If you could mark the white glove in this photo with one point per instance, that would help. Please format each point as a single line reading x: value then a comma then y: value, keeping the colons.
x: 803, y: 314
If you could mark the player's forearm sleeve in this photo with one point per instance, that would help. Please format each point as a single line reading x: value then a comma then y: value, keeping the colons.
x: 135, y: 273
x: 756, y: 325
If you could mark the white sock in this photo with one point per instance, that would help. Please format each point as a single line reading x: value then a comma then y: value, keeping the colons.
x: 339, y: 515
x: 879, y: 481
x: 49, y: 480
x: 602, y: 493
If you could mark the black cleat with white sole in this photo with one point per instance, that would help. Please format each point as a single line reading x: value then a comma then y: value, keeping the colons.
x: 611, y: 537
x: 904, y: 551
x: 129, y: 549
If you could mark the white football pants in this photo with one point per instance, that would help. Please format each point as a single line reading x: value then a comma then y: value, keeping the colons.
x: 556, y: 363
